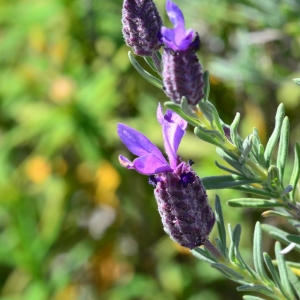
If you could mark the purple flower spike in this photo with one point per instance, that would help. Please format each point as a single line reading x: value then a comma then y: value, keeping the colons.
x: 182, y: 72
x: 141, y: 26
x: 179, y: 192
x: 177, y: 39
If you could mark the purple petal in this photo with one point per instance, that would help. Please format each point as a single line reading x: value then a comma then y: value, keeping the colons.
x: 125, y: 162
x: 136, y: 142
x: 175, y: 14
x: 173, y: 127
x: 150, y: 160
x: 177, y: 38
x: 151, y: 164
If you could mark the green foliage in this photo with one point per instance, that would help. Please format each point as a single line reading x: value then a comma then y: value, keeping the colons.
x: 231, y: 264
x: 73, y: 225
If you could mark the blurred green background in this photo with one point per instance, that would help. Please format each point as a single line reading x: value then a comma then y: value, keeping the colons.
x: 73, y: 223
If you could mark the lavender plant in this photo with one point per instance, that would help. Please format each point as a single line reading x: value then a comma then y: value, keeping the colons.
x: 180, y: 193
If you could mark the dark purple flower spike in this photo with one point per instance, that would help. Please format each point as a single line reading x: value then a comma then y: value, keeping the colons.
x: 141, y: 26
x: 179, y: 192
x: 182, y: 72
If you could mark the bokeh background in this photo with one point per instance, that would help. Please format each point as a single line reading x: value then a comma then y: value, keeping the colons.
x: 73, y: 223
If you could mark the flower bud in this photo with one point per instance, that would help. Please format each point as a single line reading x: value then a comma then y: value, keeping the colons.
x: 141, y: 26
x: 183, y: 206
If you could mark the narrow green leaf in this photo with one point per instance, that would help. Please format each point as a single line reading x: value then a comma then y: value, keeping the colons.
x: 273, y: 272
x: 246, y: 148
x: 283, y: 147
x: 211, y: 114
x: 294, y: 281
x: 258, y: 149
x: 230, y: 273
x: 150, y: 63
x: 273, y: 178
x: 283, y: 271
x: 256, y: 191
x: 256, y: 137
x: 234, y: 253
x: 296, y: 171
x: 152, y: 79
x: 233, y: 161
x: 255, y: 288
x: 293, y: 264
x: 278, y: 234
x: 219, y: 244
x: 225, y: 181
x: 231, y: 254
x: 293, y: 238
x: 236, y: 235
x: 232, y: 171
x: 202, y: 255
x: 210, y: 136
x: 248, y: 297
x: 257, y: 254
x: 206, y: 85
x: 234, y: 128
x: 246, y: 266
x: 221, y: 225
x: 261, y: 155
x: 273, y: 213
x: 254, y: 203
x: 275, y: 134
x: 177, y: 108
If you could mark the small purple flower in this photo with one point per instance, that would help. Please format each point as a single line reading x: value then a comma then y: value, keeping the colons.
x: 141, y: 26
x: 179, y: 192
x: 150, y: 160
x: 182, y: 72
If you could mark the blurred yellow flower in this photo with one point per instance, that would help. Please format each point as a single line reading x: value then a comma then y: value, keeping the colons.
x: 37, y: 169
x: 107, y: 182
x: 62, y: 90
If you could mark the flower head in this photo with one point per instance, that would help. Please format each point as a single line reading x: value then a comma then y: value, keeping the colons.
x: 150, y: 160
x: 182, y: 72
x: 141, y: 26
x: 179, y: 192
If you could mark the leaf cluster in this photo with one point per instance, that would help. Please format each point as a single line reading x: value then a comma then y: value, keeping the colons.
x: 282, y: 283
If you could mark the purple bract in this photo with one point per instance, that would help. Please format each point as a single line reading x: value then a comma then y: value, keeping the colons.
x: 150, y: 160
x: 177, y: 38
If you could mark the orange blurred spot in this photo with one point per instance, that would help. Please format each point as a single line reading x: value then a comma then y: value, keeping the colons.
x: 107, y: 182
x: 213, y: 80
x: 182, y: 250
x: 61, y: 90
x: 38, y: 169
x: 106, y: 270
